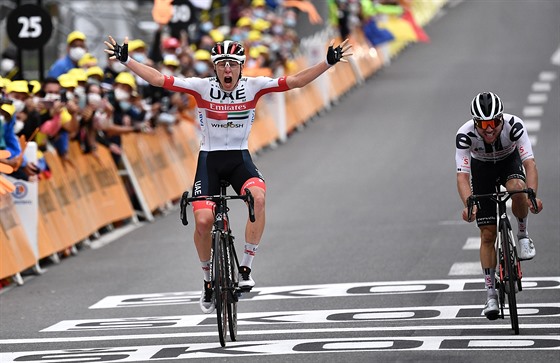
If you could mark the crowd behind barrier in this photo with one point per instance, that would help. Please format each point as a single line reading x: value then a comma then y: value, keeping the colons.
x: 131, y: 152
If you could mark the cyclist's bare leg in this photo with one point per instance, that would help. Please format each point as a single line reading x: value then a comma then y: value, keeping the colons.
x: 203, y: 218
x: 254, y: 231
x: 487, y: 249
x: 519, y: 205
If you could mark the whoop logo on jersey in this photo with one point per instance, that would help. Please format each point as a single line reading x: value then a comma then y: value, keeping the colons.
x: 230, y: 125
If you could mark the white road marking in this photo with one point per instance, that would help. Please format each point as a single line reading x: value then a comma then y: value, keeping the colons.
x: 473, y: 243
x: 332, y: 316
x: 251, y: 332
x: 533, y: 140
x: 537, y: 98
x: 284, y: 347
x: 465, y: 268
x: 532, y: 125
x: 547, y: 76
x: 541, y: 87
x: 532, y: 111
x: 555, y: 59
x: 320, y: 291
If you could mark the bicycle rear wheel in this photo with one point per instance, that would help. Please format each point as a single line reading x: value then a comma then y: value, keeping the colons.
x: 232, y: 302
x: 510, y: 275
x: 220, y: 286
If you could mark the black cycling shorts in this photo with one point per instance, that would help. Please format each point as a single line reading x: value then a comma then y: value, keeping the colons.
x: 235, y: 166
x: 486, y: 176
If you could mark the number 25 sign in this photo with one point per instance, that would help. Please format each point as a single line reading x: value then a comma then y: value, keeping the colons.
x: 29, y: 26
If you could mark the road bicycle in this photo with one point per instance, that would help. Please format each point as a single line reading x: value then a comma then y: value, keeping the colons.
x: 225, y: 264
x: 509, y: 272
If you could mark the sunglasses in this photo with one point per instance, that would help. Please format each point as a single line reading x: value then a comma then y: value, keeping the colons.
x: 484, y: 124
x: 228, y: 63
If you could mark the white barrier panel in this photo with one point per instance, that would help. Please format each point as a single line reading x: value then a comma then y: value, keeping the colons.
x: 26, y: 201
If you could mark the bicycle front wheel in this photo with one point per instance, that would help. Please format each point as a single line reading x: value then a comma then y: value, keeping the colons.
x: 510, y: 273
x: 232, y: 306
x: 220, y: 285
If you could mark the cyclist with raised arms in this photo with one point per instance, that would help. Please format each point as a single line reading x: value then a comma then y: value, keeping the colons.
x: 226, y: 111
x: 494, y: 148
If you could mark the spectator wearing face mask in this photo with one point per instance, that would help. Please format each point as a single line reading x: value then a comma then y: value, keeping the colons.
x: 128, y: 113
x: 75, y: 50
x: 8, y: 118
x: 202, y: 65
x: 62, y: 123
x: 94, y: 118
x: 94, y: 75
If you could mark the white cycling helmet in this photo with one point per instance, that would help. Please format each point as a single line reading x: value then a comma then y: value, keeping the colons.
x: 228, y: 49
x: 486, y: 106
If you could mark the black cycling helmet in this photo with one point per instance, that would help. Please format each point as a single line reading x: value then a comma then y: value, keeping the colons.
x: 228, y: 49
x: 486, y: 106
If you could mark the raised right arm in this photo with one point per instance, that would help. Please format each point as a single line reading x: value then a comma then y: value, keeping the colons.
x: 120, y: 53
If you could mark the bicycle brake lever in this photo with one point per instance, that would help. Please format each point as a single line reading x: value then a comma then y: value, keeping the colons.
x: 532, y: 197
x: 470, y: 204
x: 183, y: 208
x: 250, y: 205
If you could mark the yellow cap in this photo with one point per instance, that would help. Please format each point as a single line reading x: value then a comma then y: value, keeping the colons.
x: 79, y: 74
x: 126, y: 78
x: 87, y: 59
x: 75, y: 35
x: 17, y: 86
x: 254, y: 52
x: 244, y: 21
x: 261, y: 24
x: 67, y: 80
x: 254, y: 35
x: 263, y: 49
x: 136, y: 44
x: 216, y: 35
x: 202, y: 54
x: 36, y: 86
x: 9, y: 109
x: 171, y: 60
x: 95, y: 71
x: 258, y: 3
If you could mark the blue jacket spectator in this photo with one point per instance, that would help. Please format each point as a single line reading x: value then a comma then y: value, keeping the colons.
x: 75, y: 50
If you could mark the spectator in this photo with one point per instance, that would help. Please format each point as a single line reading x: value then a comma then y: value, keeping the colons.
x: 87, y: 61
x: 17, y: 92
x: 9, y: 66
x: 94, y: 75
x: 202, y: 65
x: 75, y: 50
x: 129, y: 114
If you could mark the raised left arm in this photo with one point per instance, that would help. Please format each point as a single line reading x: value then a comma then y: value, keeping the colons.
x: 308, y: 75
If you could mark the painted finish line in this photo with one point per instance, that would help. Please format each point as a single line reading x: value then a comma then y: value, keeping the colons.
x: 299, y: 346
x: 545, y: 310
x: 318, y: 291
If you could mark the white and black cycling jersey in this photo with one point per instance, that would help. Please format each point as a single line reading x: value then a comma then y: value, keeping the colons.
x: 469, y: 144
x: 225, y: 118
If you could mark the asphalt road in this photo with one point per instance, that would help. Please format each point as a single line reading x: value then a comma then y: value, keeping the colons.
x: 364, y: 256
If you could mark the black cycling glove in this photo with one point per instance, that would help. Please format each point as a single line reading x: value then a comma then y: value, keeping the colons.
x: 334, y: 55
x: 121, y: 52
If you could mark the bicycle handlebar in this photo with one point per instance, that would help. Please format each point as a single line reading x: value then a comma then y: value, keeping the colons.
x: 500, y: 197
x: 247, y: 197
